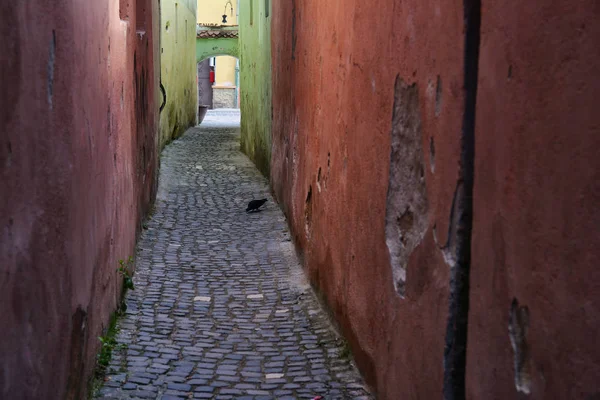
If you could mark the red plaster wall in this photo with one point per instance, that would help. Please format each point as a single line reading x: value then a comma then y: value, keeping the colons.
x: 536, y: 188
x: 78, y: 123
x: 334, y: 69
x: 536, y: 231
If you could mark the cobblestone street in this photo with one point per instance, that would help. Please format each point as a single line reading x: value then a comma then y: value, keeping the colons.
x: 221, y: 308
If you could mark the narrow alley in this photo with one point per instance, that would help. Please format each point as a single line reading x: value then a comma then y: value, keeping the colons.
x: 432, y: 180
x: 221, y: 308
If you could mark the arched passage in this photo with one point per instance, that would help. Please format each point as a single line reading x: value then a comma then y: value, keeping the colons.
x: 212, y: 42
x: 206, y: 48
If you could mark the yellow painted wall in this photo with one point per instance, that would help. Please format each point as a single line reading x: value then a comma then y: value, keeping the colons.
x: 225, y: 71
x: 211, y: 12
x: 178, y: 67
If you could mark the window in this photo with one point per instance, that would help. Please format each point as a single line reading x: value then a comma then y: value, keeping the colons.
x: 251, y: 12
x: 267, y: 8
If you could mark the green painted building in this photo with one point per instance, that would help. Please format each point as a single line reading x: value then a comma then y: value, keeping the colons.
x: 255, y: 81
x: 178, y: 68
x: 216, y: 41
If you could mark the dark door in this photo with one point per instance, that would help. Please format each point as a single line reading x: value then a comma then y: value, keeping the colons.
x: 205, y: 92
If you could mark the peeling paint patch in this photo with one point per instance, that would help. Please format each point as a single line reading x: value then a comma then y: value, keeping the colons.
x: 449, y: 248
x: 319, y: 180
x: 518, y: 327
x: 406, y: 213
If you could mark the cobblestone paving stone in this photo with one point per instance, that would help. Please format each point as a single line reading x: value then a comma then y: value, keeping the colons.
x: 221, y: 308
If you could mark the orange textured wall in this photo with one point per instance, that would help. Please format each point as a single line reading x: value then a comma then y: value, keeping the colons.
x: 335, y: 69
x: 537, y: 191
x: 501, y: 190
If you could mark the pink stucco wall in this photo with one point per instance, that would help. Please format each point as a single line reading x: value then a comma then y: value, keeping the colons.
x: 338, y: 70
x: 78, y: 157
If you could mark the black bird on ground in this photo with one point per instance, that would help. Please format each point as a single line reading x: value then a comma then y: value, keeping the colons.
x: 254, y: 205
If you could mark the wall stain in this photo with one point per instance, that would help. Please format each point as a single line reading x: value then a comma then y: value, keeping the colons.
x: 308, y: 212
x: 51, y: 58
x: 438, y: 96
x: 10, y: 67
x: 78, y: 345
x: 140, y: 79
x: 294, y: 34
x: 455, y: 351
